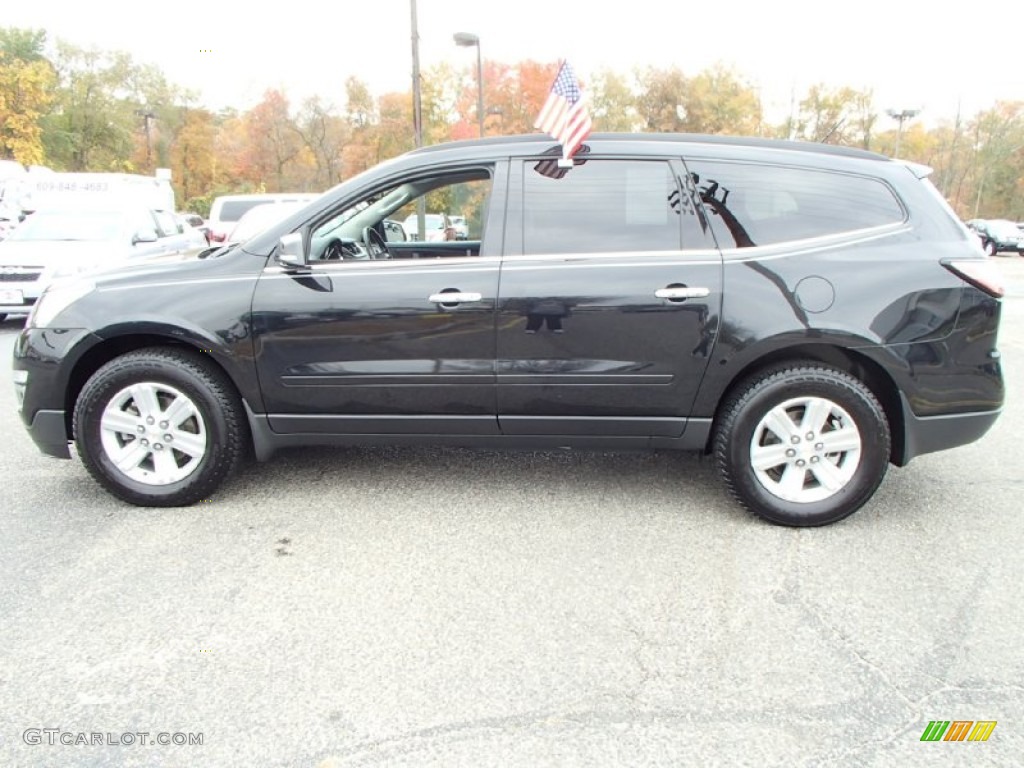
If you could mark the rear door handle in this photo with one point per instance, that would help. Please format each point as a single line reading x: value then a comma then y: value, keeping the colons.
x: 680, y: 292
x: 455, y: 297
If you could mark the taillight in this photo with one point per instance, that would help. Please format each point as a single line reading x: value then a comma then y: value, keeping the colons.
x: 982, y: 274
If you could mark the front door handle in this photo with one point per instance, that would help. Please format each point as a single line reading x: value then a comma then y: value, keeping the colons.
x: 455, y: 297
x: 680, y: 292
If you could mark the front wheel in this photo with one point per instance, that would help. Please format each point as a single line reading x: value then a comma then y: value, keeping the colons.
x: 159, y: 427
x: 805, y: 445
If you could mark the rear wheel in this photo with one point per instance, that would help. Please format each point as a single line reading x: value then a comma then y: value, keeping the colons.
x: 804, y: 445
x: 159, y: 427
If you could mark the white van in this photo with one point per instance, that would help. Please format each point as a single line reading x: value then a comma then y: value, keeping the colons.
x: 66, y: 190
x: 228, y: 209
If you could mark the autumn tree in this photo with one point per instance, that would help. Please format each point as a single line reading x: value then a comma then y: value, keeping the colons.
x: 275, y: 154
x: 325, y: 134
x: 192, y: 157
x: 394, y: 129
x: 26, y: 85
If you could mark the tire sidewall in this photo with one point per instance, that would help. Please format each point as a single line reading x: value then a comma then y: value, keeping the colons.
x: 95, y: 398
x: 866, y: 414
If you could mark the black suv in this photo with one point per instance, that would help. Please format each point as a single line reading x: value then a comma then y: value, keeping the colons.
x: 807, y: 314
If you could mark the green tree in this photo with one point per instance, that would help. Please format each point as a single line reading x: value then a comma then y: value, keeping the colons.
x: 661, y: 102
x: 23, y: 44
x: 717, y: 100
x: 833, y: 116
x: 91, y: 128
x: 999, y: 169
x: 613, y: 103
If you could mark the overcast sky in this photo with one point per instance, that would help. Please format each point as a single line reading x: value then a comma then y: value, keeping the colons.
x: 912, y: 54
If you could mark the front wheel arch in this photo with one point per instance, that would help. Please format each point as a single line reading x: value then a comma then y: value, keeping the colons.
x: 188, y: 429
x: 101, y: 354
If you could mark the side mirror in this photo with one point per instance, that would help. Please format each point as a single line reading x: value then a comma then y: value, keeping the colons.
x: 144, y: 236
x: 290, y: 250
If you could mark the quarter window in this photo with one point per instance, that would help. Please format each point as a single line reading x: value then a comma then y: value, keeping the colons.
x: 751, y: 205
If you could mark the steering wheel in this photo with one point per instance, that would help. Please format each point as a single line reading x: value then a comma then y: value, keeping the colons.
x: 376, y: 246
x: 333, y: 251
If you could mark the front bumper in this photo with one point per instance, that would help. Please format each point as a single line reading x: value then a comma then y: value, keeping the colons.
x: 44, y: 359
x: 48, y: 431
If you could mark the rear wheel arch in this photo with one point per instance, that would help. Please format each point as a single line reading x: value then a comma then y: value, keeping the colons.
x: 849, y: 361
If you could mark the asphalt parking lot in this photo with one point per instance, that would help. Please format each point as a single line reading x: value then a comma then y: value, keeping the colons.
x: 445, y: 607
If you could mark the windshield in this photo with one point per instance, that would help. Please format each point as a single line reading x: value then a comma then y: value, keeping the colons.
x: 93, y: 226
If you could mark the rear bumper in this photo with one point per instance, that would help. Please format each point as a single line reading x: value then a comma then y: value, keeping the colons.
x: 927, y: 434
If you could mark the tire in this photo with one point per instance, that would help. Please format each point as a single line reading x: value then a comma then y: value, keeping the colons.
x: 2, y: 317
x: 990, y: 248
x: 762, y: 468
x: 121, y: 437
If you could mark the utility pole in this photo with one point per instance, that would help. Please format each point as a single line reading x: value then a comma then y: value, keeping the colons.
x: 417, y: 115
x: 417, y: 101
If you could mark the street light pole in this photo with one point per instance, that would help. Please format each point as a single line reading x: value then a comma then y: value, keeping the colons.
x: 466, y: 39
x: 901, y: 115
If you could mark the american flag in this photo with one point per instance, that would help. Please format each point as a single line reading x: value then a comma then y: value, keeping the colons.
x: 564, y: 115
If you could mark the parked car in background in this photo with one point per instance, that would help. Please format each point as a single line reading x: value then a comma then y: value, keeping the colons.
x: 460, y: 226
x: 197, y: 222
x: 258, y: 218
x: 58, y: 243
x: 226, y: 210
x: 436, y: 228
x: 998, y: 235
x: 806, y: 314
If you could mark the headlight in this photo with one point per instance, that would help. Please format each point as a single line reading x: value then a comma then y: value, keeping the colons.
x: 55, y: 299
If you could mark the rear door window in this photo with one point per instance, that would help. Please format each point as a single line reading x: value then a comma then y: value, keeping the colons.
x: 600, y: 206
